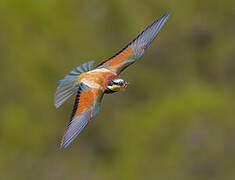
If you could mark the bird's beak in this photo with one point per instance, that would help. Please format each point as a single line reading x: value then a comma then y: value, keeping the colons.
x: 125, y: 85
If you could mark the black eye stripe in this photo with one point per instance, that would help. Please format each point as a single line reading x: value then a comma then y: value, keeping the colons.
x: 120, y: 83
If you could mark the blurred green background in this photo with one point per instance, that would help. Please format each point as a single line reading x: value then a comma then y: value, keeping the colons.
x: 174, y: 121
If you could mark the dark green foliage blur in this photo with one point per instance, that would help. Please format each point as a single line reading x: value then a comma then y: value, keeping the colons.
x: 175, y: 121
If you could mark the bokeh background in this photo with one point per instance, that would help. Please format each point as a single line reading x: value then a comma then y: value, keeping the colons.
x: 175, y: 121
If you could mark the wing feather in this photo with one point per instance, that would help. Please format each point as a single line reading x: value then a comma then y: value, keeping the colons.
x: 135, y: 49
x: 86, y: 106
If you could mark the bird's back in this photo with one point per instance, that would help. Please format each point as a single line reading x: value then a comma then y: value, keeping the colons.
x: 97, y: 78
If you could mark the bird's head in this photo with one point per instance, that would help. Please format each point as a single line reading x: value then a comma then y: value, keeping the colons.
x: 116, y: 85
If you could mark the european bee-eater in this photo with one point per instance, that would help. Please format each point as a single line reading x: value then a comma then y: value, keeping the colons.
x: 90, y: 84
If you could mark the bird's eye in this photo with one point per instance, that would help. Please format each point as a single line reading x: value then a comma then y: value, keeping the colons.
x: 121, y: 83
x: 118, y: 82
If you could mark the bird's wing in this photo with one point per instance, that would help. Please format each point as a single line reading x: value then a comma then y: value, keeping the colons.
x: 86, y: 106
x: 135, y: 49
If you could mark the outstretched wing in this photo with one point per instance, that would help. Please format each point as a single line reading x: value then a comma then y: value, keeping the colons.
x: 86, y: 106
x: 134, y: 50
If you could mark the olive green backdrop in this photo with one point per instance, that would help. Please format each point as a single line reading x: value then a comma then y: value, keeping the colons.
x: 175, y: 121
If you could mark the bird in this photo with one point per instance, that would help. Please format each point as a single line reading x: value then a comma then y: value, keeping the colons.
x: 90, y: 84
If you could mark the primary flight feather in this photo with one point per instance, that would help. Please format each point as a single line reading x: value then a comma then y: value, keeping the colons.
x: 90, y: 84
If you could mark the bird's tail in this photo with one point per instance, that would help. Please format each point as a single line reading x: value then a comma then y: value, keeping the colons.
x: 69, y: 85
